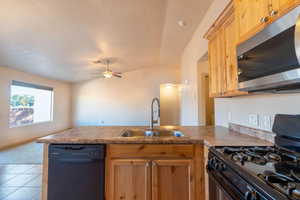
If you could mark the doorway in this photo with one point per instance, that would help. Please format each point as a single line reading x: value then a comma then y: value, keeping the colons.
x: 209, y: 103
x: 206, y: 111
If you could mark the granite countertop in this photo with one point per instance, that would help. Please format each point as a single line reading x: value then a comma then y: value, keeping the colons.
x: 210, y: 136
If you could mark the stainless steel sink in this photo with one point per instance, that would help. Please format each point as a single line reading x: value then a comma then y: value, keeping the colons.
x: 151, y: 133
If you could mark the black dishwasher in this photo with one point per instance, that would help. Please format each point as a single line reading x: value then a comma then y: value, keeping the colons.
x: 76, y: 172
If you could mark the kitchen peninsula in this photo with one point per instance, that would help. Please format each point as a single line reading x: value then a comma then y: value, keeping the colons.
x: 150, y: 167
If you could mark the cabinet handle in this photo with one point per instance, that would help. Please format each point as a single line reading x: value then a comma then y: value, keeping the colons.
x: 264, y: 19
x: 154, y: 163
x: 273, y: 13
x: 147, y: 164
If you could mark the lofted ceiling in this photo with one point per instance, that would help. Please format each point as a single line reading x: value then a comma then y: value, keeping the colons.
x: 60, y: 39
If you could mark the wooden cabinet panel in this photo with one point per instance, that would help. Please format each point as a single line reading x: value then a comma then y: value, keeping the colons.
x: 217, y: 64
x: 172, y: 179
x: 251, y: 15
x: 231, y: 68
x: 213, y: 66
x: 222, y: 88
x: 230, y: 54
x: 129, y: 180
x: 213, y: 87
x: 280, y: 7
x: 150, y: 151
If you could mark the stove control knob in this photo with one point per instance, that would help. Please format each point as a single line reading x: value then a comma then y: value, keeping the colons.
x: 223, y: 167
x: 216, y: 165
x: 211, y: 163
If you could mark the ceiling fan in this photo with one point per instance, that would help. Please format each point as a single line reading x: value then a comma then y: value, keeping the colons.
x: 108, y: 73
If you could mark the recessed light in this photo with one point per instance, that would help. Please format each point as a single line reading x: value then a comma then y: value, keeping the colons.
x: 181, y: 23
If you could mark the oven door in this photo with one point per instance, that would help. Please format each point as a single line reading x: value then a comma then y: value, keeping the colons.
x: 216, y: 191
x: 270, y: 60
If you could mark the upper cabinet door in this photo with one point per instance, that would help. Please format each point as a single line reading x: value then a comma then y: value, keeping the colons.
x: 213, y: 66
x: 230, y: 54
x: 217, y: 64
x: 279, y: 7
x: 252, y: 15
x: 129, y: 179
x: 172, y: 179
x: 231, y: 38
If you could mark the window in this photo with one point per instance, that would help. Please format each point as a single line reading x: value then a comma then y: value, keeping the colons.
x: 30, y: 104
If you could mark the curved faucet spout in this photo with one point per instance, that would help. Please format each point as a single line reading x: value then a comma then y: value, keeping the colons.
x: 152, y: 110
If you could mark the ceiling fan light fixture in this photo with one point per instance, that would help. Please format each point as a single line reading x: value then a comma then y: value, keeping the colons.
x: 107, y: 74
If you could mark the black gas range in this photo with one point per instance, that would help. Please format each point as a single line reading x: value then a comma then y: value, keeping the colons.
x: 258, y: 173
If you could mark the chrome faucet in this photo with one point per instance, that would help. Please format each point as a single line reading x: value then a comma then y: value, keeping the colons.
x: 152, y: 120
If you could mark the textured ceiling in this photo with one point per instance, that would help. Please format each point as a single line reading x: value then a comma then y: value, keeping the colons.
x: 60, y: 39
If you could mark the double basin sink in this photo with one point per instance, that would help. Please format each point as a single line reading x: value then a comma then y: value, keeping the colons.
x: 151, y: 133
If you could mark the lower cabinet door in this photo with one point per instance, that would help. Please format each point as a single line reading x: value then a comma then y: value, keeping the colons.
x: 172, y: 180
x: 129, y: 179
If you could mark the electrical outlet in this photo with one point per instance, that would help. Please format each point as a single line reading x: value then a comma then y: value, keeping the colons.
x: 267, y: 122
x: 254, y: 120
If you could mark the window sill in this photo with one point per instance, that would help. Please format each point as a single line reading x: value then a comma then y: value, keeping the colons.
x: 33, y: 124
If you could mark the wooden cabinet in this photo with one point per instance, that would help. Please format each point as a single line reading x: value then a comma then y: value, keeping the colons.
x: 253, y: 15
x: 164, y: 174
x: 240, y: 20
x: 214, y: 68
x: 222, y: 57
x: 172, y: 179
x: 130, y: 179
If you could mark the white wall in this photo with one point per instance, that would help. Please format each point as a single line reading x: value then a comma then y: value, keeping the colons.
x: 263, y: 105
x: 123, y: 101
x: 62, y: 108
x: 170, y: 104
x: 196, y: 48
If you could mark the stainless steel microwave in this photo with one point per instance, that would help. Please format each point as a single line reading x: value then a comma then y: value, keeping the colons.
x: 270, y: 61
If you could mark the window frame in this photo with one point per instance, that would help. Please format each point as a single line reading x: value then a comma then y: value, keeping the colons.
x: 34, y: 86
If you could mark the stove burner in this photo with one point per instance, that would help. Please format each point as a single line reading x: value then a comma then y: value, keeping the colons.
x: 274, y: 156
x: 274, y: 177
x: 277, y: 167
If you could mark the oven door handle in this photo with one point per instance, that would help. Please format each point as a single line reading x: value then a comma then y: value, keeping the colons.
x: 251, y: 194
x: 248, y: 195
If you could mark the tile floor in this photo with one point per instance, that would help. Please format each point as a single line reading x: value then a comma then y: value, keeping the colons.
x: 20, y: 182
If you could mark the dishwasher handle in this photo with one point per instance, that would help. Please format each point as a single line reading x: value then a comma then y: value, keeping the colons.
x: 77, y: 160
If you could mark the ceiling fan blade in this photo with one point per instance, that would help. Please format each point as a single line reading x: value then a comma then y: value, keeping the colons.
x: 117, y: 75
x: 97, y: 62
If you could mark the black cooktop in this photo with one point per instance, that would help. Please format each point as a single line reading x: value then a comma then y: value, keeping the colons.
x: 277, y: 167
